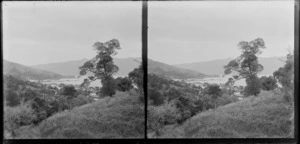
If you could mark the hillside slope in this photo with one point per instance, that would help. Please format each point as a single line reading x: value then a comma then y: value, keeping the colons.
x: 265, y: 116
x: 72, y: 67
x: 26, y: 72
x: 217, y: 66
x: 168, y: 71
x: 121, y: 116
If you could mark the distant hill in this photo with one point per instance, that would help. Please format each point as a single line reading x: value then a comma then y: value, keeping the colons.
x: 169, y: 71
x: 72, y: 67
x: 270, y: 65
x: 25, y: 72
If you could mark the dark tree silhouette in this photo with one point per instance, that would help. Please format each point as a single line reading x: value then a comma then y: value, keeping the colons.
x: 102, y: 65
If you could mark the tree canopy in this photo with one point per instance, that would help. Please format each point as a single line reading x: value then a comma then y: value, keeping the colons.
x: 247, y: 65
x: 102, y: 65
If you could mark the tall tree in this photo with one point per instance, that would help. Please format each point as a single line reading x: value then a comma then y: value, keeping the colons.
x: 102, y: 66
x: 285, y: 74
x: 137, y: 78
x: 247, y: 66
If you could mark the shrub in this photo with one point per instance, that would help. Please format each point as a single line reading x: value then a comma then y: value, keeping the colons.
x: 162, y: 115
x: 156, y: 97
x: 253, y: 86
x: 225, y: 99
x: 199, y: 105
x: 285, y: 74
x: 208, y: 101
x: 69, y: 91
x: 124, y: 84
x: 12, y: 99
x: 16, y: 117
x: 268, y: 83
x: 213, y: 90
x: 173, y: 94
x: 29, y: 95
x: 186, y: 109
x: 80, y: 100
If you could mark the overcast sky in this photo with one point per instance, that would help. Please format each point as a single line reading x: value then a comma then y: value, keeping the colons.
x: 46, y: 32
x: 182, y: 32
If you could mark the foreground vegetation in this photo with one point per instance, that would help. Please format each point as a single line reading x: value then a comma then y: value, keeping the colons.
x: 267, y: 116
x: 119, y: 117
x: 35, y: 110
x: 173, y: 102
x: 181, y: 110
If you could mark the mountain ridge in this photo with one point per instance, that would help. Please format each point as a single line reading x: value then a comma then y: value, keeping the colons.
x: 26, y: 72
x: 72, y: 67
x: 270, y: 64
x: 172, y: 72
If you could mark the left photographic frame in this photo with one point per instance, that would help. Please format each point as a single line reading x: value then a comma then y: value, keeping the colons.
x: 73, y: 70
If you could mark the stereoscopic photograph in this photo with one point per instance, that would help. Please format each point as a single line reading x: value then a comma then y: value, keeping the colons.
x: 213, y: 69
x: 220, y: 69
x: 72, y: 70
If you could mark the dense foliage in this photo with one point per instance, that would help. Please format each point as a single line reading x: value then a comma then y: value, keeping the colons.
x: 285, y: 74
x: 124, y: 84
x: 268, y: 83
x: 173, y: 102
x: 137, y: 78
x: 29, y: 103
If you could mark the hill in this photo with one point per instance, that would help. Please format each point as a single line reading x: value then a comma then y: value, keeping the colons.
x: 72, y: 67
x: 121, y: 116
x: 26, y: 72
x: 265, y: 116
x: 173, y: 72
x: 270, y: 65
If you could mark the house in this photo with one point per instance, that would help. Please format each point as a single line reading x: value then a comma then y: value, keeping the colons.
x: 237, y: 94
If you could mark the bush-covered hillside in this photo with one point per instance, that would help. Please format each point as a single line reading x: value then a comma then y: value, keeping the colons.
x: 119, y: 117
x: 28, y: 103
x: 173, y: 102
x: 267, y: 116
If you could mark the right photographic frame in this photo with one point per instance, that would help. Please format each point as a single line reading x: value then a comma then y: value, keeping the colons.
x: 221, y: 69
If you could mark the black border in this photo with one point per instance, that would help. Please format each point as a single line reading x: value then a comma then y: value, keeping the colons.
x: 145, y: 57
x: 145, y: 68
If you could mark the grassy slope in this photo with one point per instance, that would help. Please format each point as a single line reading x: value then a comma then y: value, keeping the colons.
x: 266, y: 116
x: 119, y: 117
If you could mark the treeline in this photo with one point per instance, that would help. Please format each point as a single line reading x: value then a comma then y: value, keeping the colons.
x: 29, y: 103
